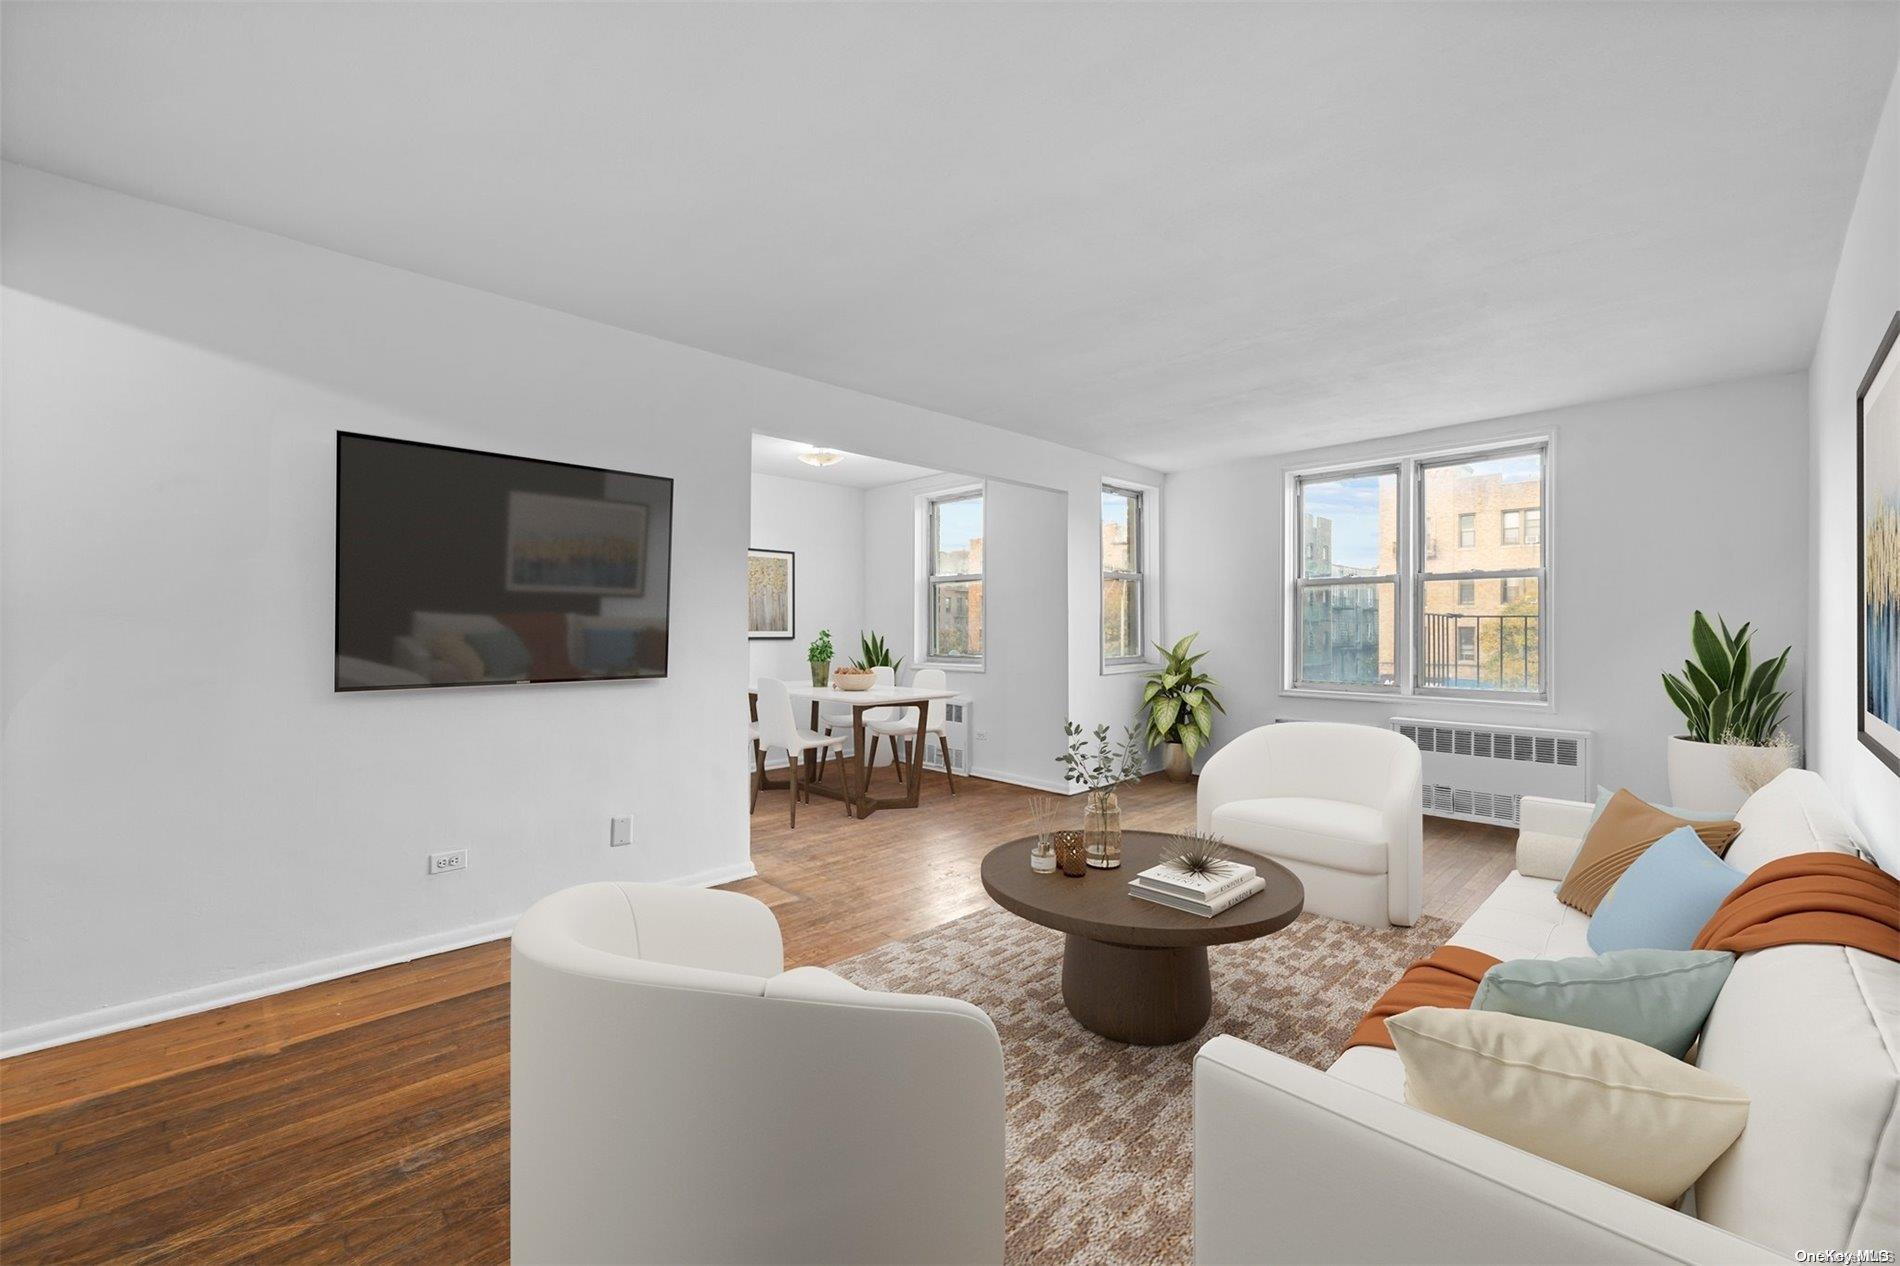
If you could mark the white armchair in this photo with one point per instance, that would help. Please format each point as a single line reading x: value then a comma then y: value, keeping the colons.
x: 1338, y: 805
x: 678, y: 1097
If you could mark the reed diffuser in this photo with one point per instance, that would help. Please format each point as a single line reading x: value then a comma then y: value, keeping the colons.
x: 1042, y: 816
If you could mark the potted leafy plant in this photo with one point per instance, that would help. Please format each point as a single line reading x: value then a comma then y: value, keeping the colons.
x: 1733, y: 710
x: 1099, y: 773
x: 819, y: 653
x: 873, y: 653
x: 1181, y: 706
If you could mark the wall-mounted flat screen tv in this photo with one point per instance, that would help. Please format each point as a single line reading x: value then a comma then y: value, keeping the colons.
x: 461, y: 568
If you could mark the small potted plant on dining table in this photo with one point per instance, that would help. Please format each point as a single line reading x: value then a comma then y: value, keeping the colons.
x: 819, y: 655
x: 1099, y: 773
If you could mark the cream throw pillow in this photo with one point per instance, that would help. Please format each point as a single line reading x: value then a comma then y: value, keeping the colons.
x: 1603, y: 1105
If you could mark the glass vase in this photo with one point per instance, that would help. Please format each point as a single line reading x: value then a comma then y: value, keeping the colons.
x: 1102, y: 829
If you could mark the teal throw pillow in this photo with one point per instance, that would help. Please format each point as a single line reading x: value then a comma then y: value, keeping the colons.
x: 1657, y: 997
x: 503, y: 652
x: 1664, y: 898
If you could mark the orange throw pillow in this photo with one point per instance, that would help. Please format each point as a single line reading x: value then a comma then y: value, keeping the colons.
x: 1628, y: 826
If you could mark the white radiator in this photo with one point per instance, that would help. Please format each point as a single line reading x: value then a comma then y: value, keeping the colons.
x: 1480, y: 772
x: 956, y: 728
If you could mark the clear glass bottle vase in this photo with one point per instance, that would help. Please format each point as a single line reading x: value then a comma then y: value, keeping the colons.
x: 1102, y: 829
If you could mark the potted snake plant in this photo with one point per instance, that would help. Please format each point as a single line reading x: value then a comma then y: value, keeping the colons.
x: 1180, y: 704
x: 1733, y: 711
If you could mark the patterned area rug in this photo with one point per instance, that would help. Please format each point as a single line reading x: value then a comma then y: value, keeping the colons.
x: 1101, y: 1135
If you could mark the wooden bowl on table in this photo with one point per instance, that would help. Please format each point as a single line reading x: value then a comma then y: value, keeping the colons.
x: 853, y: 678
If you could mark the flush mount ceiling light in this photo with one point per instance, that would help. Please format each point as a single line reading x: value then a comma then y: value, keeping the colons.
x: 821, y: 457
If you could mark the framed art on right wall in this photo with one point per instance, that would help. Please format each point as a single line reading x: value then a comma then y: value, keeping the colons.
x: 1877, y: 412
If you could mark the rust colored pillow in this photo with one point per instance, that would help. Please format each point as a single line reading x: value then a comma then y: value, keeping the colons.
x: 1628, y: 826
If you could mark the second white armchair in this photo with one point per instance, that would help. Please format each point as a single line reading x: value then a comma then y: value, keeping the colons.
x: 1338, y: 805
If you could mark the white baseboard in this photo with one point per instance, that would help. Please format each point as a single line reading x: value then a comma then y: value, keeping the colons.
x: 1055, y: 786
x: 132, y: 1015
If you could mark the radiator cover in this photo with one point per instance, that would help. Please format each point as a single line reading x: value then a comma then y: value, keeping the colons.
x: 1478, y: 773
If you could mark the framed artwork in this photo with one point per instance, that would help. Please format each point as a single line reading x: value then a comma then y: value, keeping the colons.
x: 576, y: 545
x: 1877, y: 414
x: 771, y: 592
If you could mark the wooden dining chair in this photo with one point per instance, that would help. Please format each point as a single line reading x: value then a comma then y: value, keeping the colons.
x: 778, y: 728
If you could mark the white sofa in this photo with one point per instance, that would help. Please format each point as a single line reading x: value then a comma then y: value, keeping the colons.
x: 1338, y: 805
x: 678, y: 1097
x: 1295, y: 1165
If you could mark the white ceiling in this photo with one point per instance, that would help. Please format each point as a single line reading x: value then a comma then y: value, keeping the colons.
x: 771, y: 456
x: 1170, y: 233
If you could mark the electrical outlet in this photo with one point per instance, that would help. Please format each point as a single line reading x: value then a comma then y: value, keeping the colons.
x: 443, y: 863
x: 622, y: 833
x: 982, y: 736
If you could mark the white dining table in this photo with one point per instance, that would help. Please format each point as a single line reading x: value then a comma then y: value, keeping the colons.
x: 863, y: 803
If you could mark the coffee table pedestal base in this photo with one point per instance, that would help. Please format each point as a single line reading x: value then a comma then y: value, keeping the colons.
x: 1135, y: 994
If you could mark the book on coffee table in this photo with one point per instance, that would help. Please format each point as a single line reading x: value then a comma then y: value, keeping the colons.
x: 1204, y: 887
x: 1138, y: 887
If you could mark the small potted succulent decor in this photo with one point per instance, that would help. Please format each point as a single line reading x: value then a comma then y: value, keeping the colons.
x: 850, y: 677
x: 1180, y: 704
x: 1733, y: 711
x: 1099, y: 773
x: 819, y: 654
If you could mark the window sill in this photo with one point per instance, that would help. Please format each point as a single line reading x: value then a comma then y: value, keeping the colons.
x: 1405, y: 700
x: 1132, y: 666
x: 950, y: 665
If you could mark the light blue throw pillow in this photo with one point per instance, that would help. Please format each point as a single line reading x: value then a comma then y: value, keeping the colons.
x: 1660, y: 998
x: 1664, y: 898
x: 503, y: 652
x: 1605, y: 795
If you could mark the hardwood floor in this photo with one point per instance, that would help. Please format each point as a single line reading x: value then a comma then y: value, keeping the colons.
x: 366, y: 1119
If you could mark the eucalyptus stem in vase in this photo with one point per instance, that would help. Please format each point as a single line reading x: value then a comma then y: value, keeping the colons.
x: 1099, y: 772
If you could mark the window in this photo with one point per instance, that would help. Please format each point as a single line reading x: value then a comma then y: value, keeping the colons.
x: 1121, y: 575
x: 1462, y: 647
x: 1345, y: 595
x: 1379, y: 608
x: 955, y: 597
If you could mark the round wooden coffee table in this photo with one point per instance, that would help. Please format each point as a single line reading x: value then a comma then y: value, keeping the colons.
x: 1132, y: 970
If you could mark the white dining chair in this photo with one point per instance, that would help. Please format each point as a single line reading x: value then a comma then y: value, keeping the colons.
x: 882, y: 677
x: 902, y: 725
x: 778, y: 728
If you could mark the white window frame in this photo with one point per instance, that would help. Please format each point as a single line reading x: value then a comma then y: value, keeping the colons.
x: 1138, y: 555
x: 1414, y: 552
x: 927, y: 653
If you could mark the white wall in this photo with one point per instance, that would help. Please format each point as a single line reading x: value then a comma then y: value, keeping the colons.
x: 823, y: 524
x: 1020, y: 696
x: 1866, y: 294
x: 190, y: 813
x: 1661, y: 504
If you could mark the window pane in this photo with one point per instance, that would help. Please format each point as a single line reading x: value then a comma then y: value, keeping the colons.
x: 1494, y: 644
x: 958, y: 549
x: 956, y: 627
x: 1467, y: 592
x: 1121, y: 619
x: 1533, y: 527
x: 1346, y: 634
x: 1121, y: 526
x: 1350, y: 527
x: 1501, y: 490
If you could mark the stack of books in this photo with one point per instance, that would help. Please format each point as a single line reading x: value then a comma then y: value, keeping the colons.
x: 1206, y: 895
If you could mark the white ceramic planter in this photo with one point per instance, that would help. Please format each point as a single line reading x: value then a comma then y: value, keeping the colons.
x: 1703, y: 775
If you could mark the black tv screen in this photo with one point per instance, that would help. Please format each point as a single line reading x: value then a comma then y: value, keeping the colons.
x: 461, y: 568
